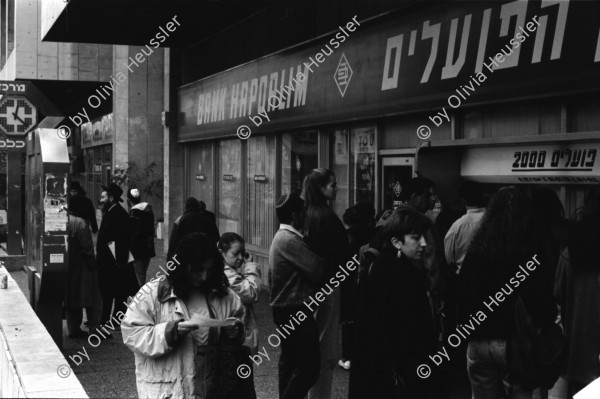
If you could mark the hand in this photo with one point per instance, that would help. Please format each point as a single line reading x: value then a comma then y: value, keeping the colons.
x: 184, y: 327
x: 233, y: 332
x: 248, y: 257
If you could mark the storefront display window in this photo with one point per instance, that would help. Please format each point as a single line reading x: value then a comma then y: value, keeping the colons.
x: 98, y: 166
x: 363, y: 164
x: 260, y: 185
x: 230, y: 188
x: 339, y: 147
x: 352, y: 154
x: 202, y: 174
x: 299, y: 155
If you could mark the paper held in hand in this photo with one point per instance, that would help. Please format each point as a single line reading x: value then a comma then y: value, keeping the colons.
x: 111, y: 246
x: 204, y: 321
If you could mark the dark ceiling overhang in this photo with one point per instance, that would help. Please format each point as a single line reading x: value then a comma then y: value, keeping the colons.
x: 135, y: 22
x: 57, y: 100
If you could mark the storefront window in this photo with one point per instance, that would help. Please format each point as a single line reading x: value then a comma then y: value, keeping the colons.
x: 299, y: 155
x: 98, y: 167
x: 339, y: 147
x: 230, y: 188
x: 202, y: 175
x: 363, y: 164
x: 260, y: 183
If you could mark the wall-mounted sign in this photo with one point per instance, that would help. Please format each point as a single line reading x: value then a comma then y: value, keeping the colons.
x: 228, y: 178
x: 8, y: 87
x: 410, y: 61
x: 17, y: 115
x: 200, y: 177
x: 260, y: 178
x: 574, y: 163
x: 8, y: 143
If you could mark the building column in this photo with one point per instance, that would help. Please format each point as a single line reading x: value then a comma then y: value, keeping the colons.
x: 173, y: 153
x: 137, y: 106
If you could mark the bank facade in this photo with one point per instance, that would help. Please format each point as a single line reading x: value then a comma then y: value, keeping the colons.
x: 497, y: 92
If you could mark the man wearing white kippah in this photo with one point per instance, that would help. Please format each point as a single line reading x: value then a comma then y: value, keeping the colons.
x: 141, y: 233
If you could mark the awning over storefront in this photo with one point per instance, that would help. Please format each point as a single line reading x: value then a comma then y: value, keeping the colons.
x: 557, y: 163
x: 553, y: 159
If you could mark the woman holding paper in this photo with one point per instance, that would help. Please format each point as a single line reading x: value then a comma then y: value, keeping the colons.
x: 171, y: 332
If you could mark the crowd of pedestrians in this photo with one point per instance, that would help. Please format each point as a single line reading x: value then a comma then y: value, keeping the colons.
x: 512, y: 276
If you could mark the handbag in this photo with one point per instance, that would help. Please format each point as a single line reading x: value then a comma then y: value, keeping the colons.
x: 229, y: 362
x: 535, y: 355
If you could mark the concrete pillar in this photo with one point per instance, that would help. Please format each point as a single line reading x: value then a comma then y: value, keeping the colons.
x: 174, y: 155
x: 137, y: 106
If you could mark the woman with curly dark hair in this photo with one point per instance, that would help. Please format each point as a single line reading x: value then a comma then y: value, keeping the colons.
x: 491, y: 281
x: 578, y: 293
x: 170, y: 329
x: 327, y: 237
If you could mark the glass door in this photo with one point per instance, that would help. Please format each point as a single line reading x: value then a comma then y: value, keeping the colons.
x: 395, y: 172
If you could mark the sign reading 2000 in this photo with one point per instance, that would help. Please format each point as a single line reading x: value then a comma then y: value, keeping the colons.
x: 565, y: 159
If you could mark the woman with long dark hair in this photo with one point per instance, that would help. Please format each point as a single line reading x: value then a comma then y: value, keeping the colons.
x: 244, y: 279
x: 578, y: 293
x: 395, y: 330
x: 170, y: 329
x: 327, y: 237
x: 503, y: 242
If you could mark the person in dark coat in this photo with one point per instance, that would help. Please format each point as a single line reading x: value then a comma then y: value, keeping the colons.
x: 83, y: 289
x: 209, y: 214
x: 141, y: 234
x: 577, y: 290
x: 394, y: 326
x: 88, y: 213
x: 193, y: 220
x: 360, y: 220
x: 117, y: 277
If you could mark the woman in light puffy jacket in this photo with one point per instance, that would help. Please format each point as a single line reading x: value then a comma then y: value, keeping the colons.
x: 244, y: 280
x: 172, y: 356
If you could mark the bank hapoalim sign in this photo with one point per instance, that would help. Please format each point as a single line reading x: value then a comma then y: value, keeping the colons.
x: 443, y: 55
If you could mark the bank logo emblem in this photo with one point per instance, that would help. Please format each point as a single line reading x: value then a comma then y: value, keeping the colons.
x: 397, y: 189
x: 343, y: 74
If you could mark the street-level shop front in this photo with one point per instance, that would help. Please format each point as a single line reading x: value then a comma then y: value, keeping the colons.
x: 368, y: 99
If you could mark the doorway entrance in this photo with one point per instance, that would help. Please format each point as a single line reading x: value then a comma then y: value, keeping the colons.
x: 395, y: 172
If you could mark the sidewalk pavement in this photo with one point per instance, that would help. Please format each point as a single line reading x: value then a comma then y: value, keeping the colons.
x: 110, y: 372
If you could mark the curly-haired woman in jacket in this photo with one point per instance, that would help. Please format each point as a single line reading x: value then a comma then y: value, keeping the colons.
x: 172, y: 358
